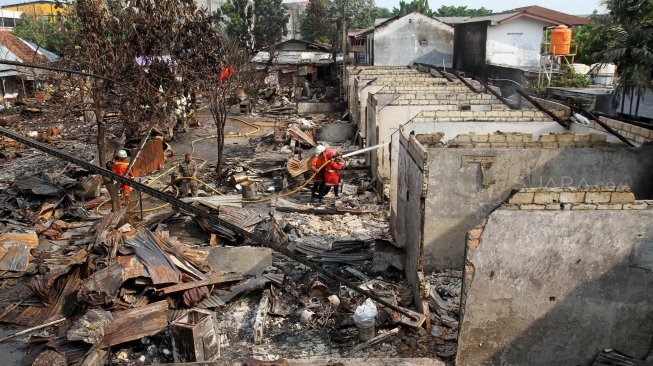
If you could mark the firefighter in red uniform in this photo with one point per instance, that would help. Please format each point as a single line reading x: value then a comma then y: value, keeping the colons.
x: 120, y: 165
x: 318, y: 171
x: 331, y: 173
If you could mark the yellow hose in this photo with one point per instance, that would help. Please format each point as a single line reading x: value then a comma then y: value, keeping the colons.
x: 266, y: 199
x: 251, y: 132
x: 288, y: 193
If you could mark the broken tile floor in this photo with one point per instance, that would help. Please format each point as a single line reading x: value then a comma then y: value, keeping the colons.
x: 342, y: 241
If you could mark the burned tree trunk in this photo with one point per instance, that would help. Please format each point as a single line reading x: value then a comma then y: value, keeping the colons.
x: 219, y: 109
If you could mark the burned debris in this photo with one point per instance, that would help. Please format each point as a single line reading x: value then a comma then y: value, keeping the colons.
x: 168, y: 196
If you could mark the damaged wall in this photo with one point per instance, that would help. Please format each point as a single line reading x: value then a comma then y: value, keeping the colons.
x: 387, y: 112
x: 450, y: 130
x: 553, y: 287
x: 461, y: 192
x: 410, y: 226
x: 370, y: 85
x: 413, y: 38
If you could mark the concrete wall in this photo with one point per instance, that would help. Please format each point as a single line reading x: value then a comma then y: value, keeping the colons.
x: 410, y: 226
x: 319, y: 107
x: 336, y: 132
x: 516, y: 43
x: 457, y: 199
x: 413, y: 38
x: 387, y: 118
x: 556, y: 287
x: 367, y: 85
x: 453, y: 129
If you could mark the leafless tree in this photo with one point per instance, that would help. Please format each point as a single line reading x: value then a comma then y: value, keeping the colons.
x: 143, y: 51
x: 235, y: 80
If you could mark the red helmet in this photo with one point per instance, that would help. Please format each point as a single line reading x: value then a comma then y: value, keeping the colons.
x: 330, y: 153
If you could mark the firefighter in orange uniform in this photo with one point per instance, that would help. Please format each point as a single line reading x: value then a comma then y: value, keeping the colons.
x: 120, y: 165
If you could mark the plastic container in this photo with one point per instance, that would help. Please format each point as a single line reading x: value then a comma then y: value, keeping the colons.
x: 365, y: 319
x: 560, y: 40
x: 603, y: 74
x: 581, y: 68
x: 366, y: 331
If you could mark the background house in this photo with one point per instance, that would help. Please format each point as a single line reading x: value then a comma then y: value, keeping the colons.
x: 46, y: 9
x: 15, y: 79
x: 292, y: 62
x: 9, y: 18
x: 404, y: 40
x: 512, y: 38
x: 295, y: 11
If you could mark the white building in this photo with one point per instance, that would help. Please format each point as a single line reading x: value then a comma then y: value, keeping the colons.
x: 210, y: 5
x: 404, y: 40
x: 512, y: 38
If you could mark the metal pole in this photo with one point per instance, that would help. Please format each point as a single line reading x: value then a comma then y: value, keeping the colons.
x: 140, y: 199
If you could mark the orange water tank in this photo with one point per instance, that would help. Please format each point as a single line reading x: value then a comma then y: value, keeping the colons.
x: 560, y: 40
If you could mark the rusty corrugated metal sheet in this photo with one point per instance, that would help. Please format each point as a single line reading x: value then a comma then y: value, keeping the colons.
x: 150, y: 159
x: 136, y: 323
x: 157, y: 262
x: 14, y: 257
x: 102, y: 286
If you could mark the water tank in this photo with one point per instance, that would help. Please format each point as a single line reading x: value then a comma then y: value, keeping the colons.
x: 581, y: 68
x: 560, y: 40
x: 603, y: 74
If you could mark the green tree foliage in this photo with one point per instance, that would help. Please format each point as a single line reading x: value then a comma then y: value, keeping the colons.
x: 57, y: 36
x: 254, y: 24
x: 461, y: 11
x: 271, y: 20
x: 570, y: 79
x: 323, y: 19
x: 379, y: 12
x: 420, y: 6
x: 315, y: 26
x: 359, y: 13
x: 627, y: 35
x: 585, y: 42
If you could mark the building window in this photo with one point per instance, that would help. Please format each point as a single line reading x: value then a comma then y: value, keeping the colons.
x: 423, y: 43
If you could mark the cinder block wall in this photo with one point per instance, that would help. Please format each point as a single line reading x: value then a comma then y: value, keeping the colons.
x: 465, y: 184
x: 565, y: 276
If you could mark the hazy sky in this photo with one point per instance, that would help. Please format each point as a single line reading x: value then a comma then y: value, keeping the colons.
x: 565, y: 6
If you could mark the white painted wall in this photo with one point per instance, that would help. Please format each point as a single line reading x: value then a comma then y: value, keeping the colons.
x: 516, y: 43
x: 413, y: 38
x: 361, y: 105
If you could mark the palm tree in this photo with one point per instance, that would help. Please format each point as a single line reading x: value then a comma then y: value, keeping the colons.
x: 628, y: 35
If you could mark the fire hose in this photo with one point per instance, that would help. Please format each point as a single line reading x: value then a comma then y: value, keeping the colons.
x: 416, y: 318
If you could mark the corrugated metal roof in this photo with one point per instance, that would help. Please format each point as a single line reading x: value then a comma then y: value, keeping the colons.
x: 494, y: 18
x: 452, y: 20
x: 297, y: 58
x: 534, y: 12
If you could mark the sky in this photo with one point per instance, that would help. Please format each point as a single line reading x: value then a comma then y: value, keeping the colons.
x: 576, y: 7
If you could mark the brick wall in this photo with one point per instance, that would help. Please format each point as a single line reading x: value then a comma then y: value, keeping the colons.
x: 525, y: 140
x: 631, y: 132
x: 571, y: 198
x: 495, y: 115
